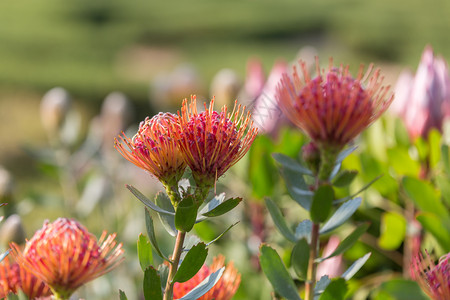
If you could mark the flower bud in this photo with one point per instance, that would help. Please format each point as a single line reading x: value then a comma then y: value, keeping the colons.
x: 54, y: 108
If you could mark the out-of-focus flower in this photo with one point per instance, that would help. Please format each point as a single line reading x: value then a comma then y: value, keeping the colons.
x: 334, y: 107
x: 65, y: 255
x: 423, y: 100
x: 154, y: 148
x: 255, y: 79
x: 433, y: 279
x: 12, y: 230
x: 55, y: 105
x: 225, y: 86
x: 224, y: 289
x: 332, y: 266
x: 14, y: 277
x: 212, y: 142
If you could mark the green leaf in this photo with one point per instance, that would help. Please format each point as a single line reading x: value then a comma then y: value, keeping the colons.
x: 297, y: 188
x: 151, y: 234
x: 355, y: 267
x: 144, y: 252
x: 348, y: 241
x: 341, y: 215
x: 163, y: 272
x: 437, y: 227
x: 226, y: 230
x: 321, y: 285
x: 192, y: 263
x: 322, y: 203
x: 223, y: 207
x: 279, y: 221
x: 168, y: 221
x: 393, y: 230
x: 122, y: 295
x: 336, y: 290
x: 445, y: 154
x: 345, y: 178
x: 358, y: 192
x: 402, y: 163
x: 303, y: 230
x: 434, y: 140
x: 300, y: 258
x: 147, y: 201
x: 291, y: 164
x: 152, y: 285
x: 400, y: 289
x: 443, y: 184
x: 277, y: 274
x: 262, y: 171
x: 186, y: 214
x: 344, y: 153
x: 424, y: 196
x: 422, y: 148
x: 3, y: 255
x: 204, y: 286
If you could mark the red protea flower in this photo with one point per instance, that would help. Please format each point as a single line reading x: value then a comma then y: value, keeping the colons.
x: 433, y: 279
x: 333, y: 108
x: 14, y: 277
x: 224, y: 289
x: 65, y: 255
x: 154, y: 149
x: 211, y: 142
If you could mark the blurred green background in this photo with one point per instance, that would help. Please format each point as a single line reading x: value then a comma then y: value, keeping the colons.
x: 92, y: 48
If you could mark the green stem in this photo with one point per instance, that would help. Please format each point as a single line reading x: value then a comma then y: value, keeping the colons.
x: 168, y: 292
x: 312, y: 264
x: 327, y: 162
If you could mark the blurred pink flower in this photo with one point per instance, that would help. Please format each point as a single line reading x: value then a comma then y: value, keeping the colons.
x: 332, y: 266
x: 423, y: 100
x: 433, y: 279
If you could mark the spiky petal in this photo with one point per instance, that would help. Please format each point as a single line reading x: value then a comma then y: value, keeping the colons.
x: 211, y: 141
x: 154, y: 148
x: 224, y: 289
x: 433, y: 279
x: 65, y: 255
x: 333, y: 108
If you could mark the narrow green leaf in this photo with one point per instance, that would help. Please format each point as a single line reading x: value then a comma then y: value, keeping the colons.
x: 300, y: 258
x: 168, y: 221
x: 443, y: 183
x: 344, y: 153
x: 424, y: 196
x: 291, y: 164
x: 437, y: 227
x: 144, y: 252
x: 3, y: 255
x: 279, y: 221
x: 223, y: 207
x: 186, y: 214
x: 151, y: 234
x: 355, y: 267
x: 262, y: 171
x: 393, y: 230
x: 297, y: 188
x: 152, y: 285
x: 365, y: 187
x: 321, y: 285
x: 400, y: 289
x: 163, y: 272
x: 226, y: 230
x: 341, y: 215
x: 322, y: 203
x: 147, y: 202
x: 303, y: 230
x: 277, y: 274
x: 192, y: 263
x: 345, y: 178
x: 445, y: 155
x: 335, y: 290
x: 122, y: 295
x: 348, y: 241
x: 204, y: 286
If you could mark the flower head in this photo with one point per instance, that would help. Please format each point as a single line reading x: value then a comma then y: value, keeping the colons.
x: 211, y: 141
x: 434, y: 279
x: 224, y: 289
x: 154, y: 148
x: 334, y: 107
x: 423, y: 100
x: 14, y: 277
x: 65, y: 255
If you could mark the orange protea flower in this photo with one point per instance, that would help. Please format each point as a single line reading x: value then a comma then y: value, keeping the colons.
x: 65, y: 255
x: 213, y: 141
x: 333, y: 108
x: 434, y: 279
x: 14, y: 277
x: 224, y: 289
x: 154, y: 149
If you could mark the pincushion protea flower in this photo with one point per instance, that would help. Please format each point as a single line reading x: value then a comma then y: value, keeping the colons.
x: 14, y: 277
x: 333, y: 108
x: 154, y: 148
x: 211, y: 141
x: 224, y: 289
x: 434, y: 279
x: 65, y: 255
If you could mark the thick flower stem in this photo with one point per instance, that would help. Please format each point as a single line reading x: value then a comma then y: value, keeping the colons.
x: 168, y: 292
x: 312, y: 265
